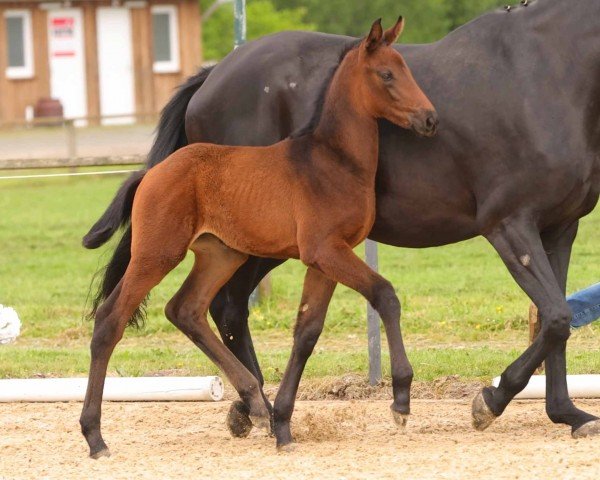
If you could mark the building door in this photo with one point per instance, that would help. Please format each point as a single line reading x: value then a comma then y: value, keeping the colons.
x: 67, y: 60
x: 115, y: 64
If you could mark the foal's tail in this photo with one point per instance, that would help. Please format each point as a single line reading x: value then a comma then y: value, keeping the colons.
x: 170, y: 136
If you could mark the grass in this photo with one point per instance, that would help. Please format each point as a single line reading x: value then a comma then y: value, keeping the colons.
x: 462, y: 312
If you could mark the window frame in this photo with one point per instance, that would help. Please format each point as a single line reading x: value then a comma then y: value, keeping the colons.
x: 172, y: 65
x: 27, y: 71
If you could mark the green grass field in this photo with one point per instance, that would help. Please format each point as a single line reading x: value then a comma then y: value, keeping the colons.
x: 462, y: 313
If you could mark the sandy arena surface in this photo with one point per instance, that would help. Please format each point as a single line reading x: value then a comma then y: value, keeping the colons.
x: 338, y: 439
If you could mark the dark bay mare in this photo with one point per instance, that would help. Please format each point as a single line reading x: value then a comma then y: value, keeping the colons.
x: 310, y: 197
x: 517, y: 160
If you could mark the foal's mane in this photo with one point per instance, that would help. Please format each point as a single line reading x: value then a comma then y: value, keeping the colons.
x: 320, y: 101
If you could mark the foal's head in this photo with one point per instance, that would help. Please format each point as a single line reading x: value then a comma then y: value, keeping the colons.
x: 387, y: 87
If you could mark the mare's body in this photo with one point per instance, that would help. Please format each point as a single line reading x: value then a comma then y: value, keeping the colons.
x: 517, y: 159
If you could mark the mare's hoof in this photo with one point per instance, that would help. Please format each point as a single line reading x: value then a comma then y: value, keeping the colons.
x: 482, y: 416
x: 238, y: 420
x: 400, y: 419
x: 287, y: 447
x: 261, y: 422
x: 104, y: 452
x: 589, y: 429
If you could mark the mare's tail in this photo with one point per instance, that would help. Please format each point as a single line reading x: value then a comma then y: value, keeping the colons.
x: 170, y: 136
x: 113, y: 273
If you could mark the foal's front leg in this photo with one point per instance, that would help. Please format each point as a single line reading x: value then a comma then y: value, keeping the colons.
x: 338, y: 262
x: 316, y: 295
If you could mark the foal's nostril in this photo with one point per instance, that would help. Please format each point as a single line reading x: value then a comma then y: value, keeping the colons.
x: 431, y: 122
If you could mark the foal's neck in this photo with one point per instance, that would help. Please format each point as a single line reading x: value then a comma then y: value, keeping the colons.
x: 346, y: 127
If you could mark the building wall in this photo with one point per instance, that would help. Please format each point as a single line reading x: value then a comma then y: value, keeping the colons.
x: 152, y: 90
x: 190, y: 51
x: 16, y: 95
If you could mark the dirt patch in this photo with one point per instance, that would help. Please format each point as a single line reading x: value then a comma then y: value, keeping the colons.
x: 338, y: 440
x: 356, y: 387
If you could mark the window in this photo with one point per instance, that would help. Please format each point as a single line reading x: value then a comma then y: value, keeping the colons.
x: 165, y: 39
x: 19, y: 44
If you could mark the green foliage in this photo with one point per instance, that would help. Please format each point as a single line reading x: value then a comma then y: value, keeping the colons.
x: 459, y: 12
x: 427, y: 20
x: 262, y: 19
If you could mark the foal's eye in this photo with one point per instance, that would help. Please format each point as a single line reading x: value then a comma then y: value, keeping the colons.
x: 386, y: 75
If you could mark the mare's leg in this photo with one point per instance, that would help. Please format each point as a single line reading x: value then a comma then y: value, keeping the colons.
x: 187, y: 310
x: 316, y: 295
x: 111, y: 318
x: 519, y: 244
x: 338, y: 262
x: 229, y: 310
x: 559, y: 406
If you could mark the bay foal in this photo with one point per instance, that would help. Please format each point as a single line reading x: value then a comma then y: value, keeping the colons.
x: 309, y: 197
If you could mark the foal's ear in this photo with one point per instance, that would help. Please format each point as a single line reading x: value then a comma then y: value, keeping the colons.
x: 373, y: 40
x: 391, y: 35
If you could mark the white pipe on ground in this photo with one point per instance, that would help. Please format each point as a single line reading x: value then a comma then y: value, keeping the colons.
x: 126, y: 389
x: 580, y: 386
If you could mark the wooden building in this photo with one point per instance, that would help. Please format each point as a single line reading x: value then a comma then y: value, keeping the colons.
x: 98, y: 57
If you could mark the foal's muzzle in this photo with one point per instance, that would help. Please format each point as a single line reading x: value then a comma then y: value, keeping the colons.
x: 426, y: 124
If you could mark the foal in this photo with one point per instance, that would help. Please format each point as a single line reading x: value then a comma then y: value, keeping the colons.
x: 309, y: 197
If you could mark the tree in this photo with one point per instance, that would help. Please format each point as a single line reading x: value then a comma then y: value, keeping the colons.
x: 427, y: 20
x: 262, y: 17
x: 460, y: 12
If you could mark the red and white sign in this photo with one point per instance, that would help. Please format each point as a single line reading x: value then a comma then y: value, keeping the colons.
x: 67, y: 60
x: 62, y: 36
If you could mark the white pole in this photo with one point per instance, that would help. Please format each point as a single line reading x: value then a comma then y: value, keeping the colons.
x: 132, y: 389
x: 580, y: 386
x: 373, y: 321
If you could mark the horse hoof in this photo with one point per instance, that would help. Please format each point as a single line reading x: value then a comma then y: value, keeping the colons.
x: 104, y: 452
x: 481, y: 414
x: 238, y: 420
x: 261, y: 422
x: 589, y: 429
x: 400, y: 419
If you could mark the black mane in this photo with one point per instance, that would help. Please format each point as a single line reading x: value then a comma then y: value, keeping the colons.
x: 320, y: 101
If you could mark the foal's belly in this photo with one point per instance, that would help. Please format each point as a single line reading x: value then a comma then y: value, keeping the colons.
x: 258, y: 224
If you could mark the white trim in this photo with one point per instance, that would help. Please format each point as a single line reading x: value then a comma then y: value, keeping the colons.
x: 135, y: 4
x: 171, y: 66
x: 47, y: 6
x: 27, y: 71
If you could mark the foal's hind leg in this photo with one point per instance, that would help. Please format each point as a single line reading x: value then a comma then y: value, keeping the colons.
x: 520, y: 247
x: 340, y: 263
x: 316, y: 295
x: 111, y: 318
x: 215, y: 264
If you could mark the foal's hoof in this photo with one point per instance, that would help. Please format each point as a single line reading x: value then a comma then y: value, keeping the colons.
x: 104, y: 452
x: 261, y: 422
x: 287, y: 447
x: 482, y: 416
x: 238, y: 420
x: 400, y: 419
x: 589, y: 429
